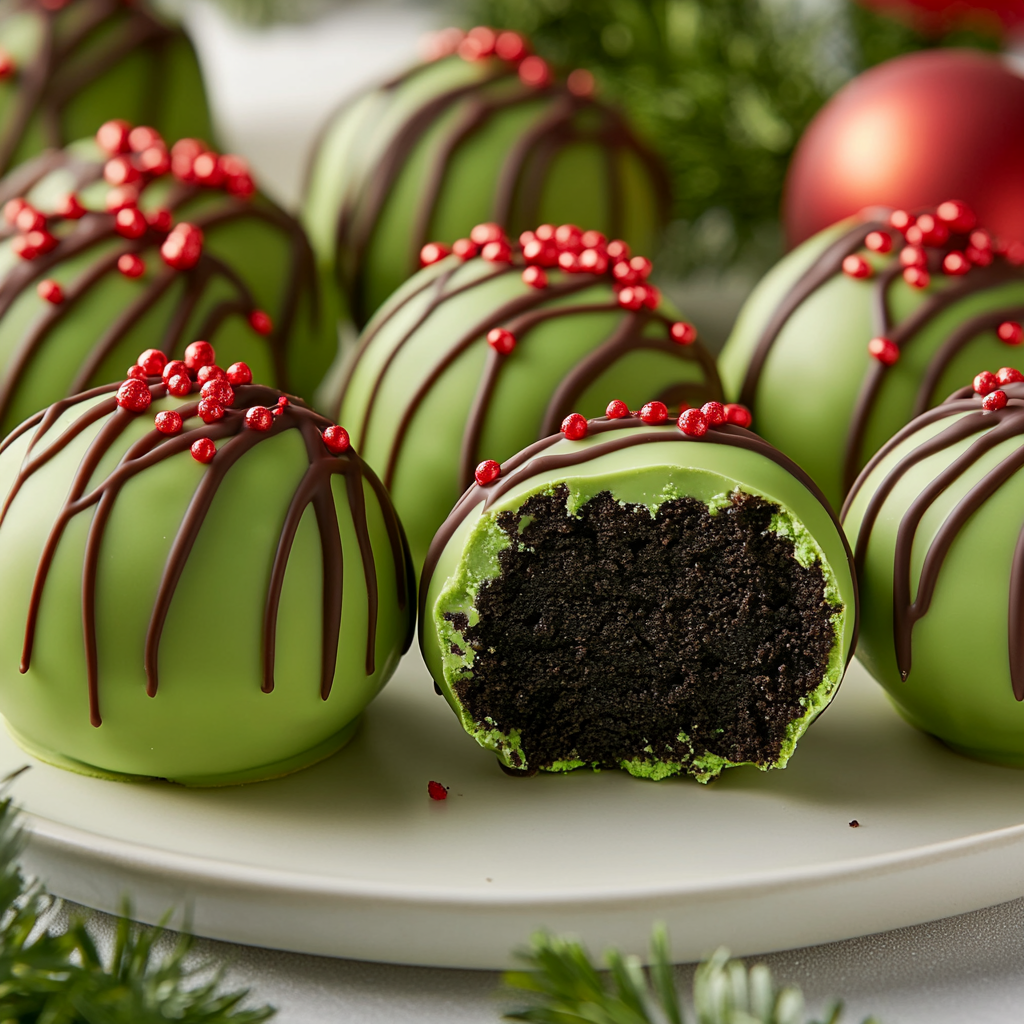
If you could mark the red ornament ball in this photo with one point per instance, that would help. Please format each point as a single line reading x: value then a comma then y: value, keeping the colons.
x: 168, y: 422
x: 915, y: 132
x: 337, y: 440
x: 152, y: 361
x: 487, y: 472
x: 574, y: 426
x: 203, y: 450
x: 182, y: 247
x: 134, y: 396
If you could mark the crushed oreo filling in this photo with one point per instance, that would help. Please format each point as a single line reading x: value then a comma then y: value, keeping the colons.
x: 610, y: 632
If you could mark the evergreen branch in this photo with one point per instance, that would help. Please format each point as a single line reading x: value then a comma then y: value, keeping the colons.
x: 563, y: 986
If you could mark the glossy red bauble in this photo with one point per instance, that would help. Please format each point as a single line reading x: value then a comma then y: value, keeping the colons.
x: 259, y: 417
x: 914, y: 132
x: 133, y: 395
x: 574, y: 426
x: 337, y: 439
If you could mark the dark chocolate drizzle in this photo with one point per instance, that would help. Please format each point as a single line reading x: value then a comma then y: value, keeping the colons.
x: 827, y: 266
x: 314, y: 489
x: 72, y: 56
x: 94, y: 230
x: 521, y: 315
x: 532, y: 462
x: 968, y: 421
x: 519, y: 185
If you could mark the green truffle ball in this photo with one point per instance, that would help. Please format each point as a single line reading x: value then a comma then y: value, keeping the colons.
x: 938, y: 531
x: 427, y: 397
x: 83, y: 290
x: 465, y: 139
x: 68, y: 67
x: 800, y: 356
x: 642, y: 599
x: 212, y: 605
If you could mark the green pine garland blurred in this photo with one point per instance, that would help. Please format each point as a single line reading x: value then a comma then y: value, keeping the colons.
x: 722, y: 88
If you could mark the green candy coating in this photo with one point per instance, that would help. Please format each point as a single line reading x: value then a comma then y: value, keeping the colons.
x: 255, y: 256
x: 92, y: 61
x: 959, y: 686
x: 209, y: 721
x: 414, y: 431
x: 805, y: 398
x: 465, y: 555
x: 454, y: 143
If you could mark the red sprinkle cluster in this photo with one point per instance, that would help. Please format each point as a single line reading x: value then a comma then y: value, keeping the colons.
x: 692, y: 422
x: 154, y: 375
x: 481, y: 43
x: 988, y: 385
x: 136, y: 156
x: 945, y: 240
x: 563, y: 247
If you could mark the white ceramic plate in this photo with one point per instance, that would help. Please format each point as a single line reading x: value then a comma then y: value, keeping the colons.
x: 351, y: 858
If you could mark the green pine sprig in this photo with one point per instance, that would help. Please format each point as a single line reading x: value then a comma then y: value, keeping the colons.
x: 59, y: 977
x: 562, y: 986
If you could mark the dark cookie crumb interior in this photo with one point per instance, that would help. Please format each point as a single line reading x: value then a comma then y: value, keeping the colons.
x: 610, y: 631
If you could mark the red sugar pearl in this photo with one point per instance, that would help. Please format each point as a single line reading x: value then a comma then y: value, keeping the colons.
x: 1010, y: 332
x: 259, y: 417
x: 900, y: 220
x: 878, y: 241
x: 112, y: 136
x: 142, y: 137
x: 159, y: 219
x: 574, y: 426
x: 119, y: 170
x: 632, y: 298
x: 130, y: 222
x: 913, y: 256
x: 465, y: 248
x: 510, y: 46
x: 1008, y: 375
x: 436, y: 791
x: 985, y: 382
x: 7, y: 65
x: 501, y: 340
x: 545, y: 232
x: 260, y: 321
x: 534, y: 72
x: 479, y: 43
x: 580, y: 83
x: 623, y: 273
x: 208, y: 170
x: 714, y: 413
x: 856, y: 266
x: 535, y: 277
x: 594, y: 240
x: 29, y: 219
x: 168, y: 422
x: 957, y: 215
x: 130, y: 265
x: 337, y: 440
x: 933, y: 231
x: 616, y: 409
x: 487, y: 472
x: 205, y: 373
x: 432, y: 252
x: 654, y: 412
x: 50, y: 291
x: 683, y: 332
x: 487, y: 232
x: 210, y: 412
x: 12, y: 208
x: 134, y: 395
x: 497, y: 252
x: 199, y: 353
x: 618, y: 249
x: 651, y: 295
x: 239, y: 373
x: 540, y: 252
x: 593, y: 261
x: 693, y: 423
x: 179, y: 384
x: 155, y: 160
x: 182, y: 247
x: 219, y: 391
x: 641, y: 266
x: 1015, y: 253
x: 569, y: 238
x: 153, y: 361
x: 955, y: 263
x: 979, y: 257
x: 121, y: 197
x: 916, y: 277
x: 993, y: 401
x: 173, y: 368
x: 136, y: 372
x: 738, y: 415
x: 203, y: 450
x: 885, y: 351
x: 569, y: 262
